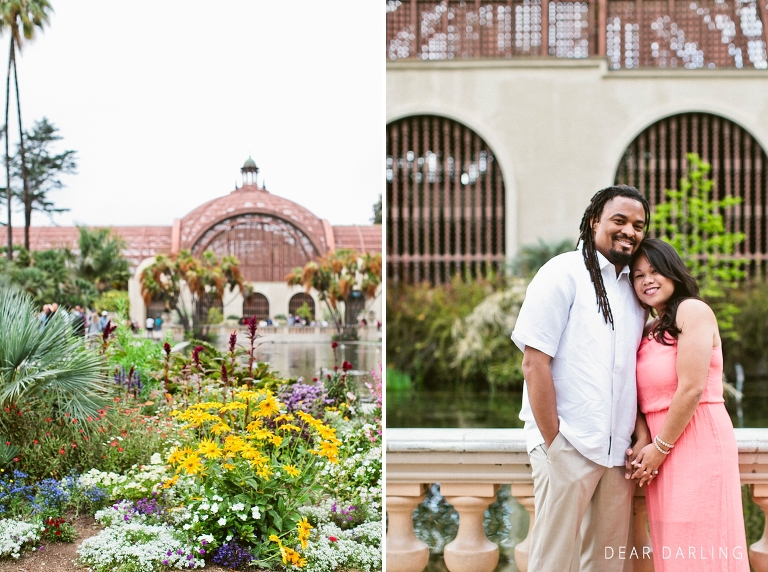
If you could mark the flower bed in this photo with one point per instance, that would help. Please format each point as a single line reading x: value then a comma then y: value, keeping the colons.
x: 203, y: 458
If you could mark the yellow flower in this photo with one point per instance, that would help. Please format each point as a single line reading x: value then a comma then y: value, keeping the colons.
x: 220, y: 428
x: 232, y: 406
x: 254, y: 455
x: 262, y: 434
x: 192, y: 464
x: 291, y: 470
x: 233, y: 444
x: 175, y: 457
x: 209, y: 449
x: 274, y: 538
x: 304, y: 527
x: 209, y: 405
x: 247, y: 394
x: 269, y: 406
x: 290, y: 427
x: 228, y: 466
x: 326, y: 432
x: 170, y: 482
x: 264, y: 471
x: 284, y: 417
x: 254, y: 425
x: 276, y: 440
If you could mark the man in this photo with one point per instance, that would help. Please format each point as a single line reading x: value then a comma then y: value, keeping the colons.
x: 579, y: 328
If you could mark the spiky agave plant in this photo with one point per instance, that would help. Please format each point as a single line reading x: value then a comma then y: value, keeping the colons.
x: 46, y: 366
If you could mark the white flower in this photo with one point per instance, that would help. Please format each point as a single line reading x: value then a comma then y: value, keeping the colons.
x: 205, y: 506
x: 255, y: 514
x: 243, y: 516
x: 239, y: 507
x: 222, y: 521
x: 215, y: 508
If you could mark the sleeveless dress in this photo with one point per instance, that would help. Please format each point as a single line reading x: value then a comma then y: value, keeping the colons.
x: 694, y: 503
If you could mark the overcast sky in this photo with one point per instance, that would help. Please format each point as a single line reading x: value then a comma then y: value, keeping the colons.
x: 164, y: 100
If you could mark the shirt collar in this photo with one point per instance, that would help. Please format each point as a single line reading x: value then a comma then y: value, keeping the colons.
x: 602, y: 261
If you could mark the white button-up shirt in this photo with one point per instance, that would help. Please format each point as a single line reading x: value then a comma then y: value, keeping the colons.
x: 593, y: 365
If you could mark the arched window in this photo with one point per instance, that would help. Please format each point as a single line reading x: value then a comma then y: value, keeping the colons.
x: 267, y: 247
x: 445, y: 202
x: 257, y: 305
x: 298, y: 300
x: 656, y: 161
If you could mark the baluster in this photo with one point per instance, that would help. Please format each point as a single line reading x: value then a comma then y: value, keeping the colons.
x: 524, y: 495
x: 470, y: 551
x: 405, y: 552
x: 758, y: 552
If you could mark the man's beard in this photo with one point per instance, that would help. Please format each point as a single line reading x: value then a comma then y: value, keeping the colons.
x: 619, y: 258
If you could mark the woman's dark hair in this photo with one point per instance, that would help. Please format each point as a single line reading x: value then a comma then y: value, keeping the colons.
x: 667, y: 262
x: 587, y: 235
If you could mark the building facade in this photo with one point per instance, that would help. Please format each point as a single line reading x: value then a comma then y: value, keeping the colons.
x: 270, y: 236
x: 499, y: 134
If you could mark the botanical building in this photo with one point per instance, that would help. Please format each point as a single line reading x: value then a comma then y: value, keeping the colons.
x: 269, y: 234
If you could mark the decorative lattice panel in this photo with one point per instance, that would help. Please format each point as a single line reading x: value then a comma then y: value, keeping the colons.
x: 256, y: 305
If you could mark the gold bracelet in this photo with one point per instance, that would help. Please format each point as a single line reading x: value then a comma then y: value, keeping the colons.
x: 662, y: 442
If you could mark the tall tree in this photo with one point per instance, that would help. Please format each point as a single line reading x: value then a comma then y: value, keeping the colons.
x: 100, y: 260
x: 22, y: 18
x: 43, y: 171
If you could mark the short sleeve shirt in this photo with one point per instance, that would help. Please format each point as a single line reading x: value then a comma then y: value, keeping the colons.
x: 593, y: 364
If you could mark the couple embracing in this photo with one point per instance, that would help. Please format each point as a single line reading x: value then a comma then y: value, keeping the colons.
x: 623, y: 387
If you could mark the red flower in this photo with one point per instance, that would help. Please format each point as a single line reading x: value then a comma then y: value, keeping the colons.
x: 117, y: 399
x: 113, y: 444
x: 48, y: 419
x: 16, y: 459
x: 120, y: 449
x: 47, y: 434
x: 62, y: 451
x: 7, y: 442
x: 35, y: 441
x: 74, y: 445
x: 332, y: 538
x: 334, y: 345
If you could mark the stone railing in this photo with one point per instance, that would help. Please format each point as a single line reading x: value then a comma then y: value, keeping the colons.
x: 472, y: 464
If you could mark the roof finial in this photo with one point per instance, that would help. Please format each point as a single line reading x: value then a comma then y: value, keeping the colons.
x: 249, y: 171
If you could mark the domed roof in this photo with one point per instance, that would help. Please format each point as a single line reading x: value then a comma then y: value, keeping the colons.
x: 249, y: 163
x: 246, y: 200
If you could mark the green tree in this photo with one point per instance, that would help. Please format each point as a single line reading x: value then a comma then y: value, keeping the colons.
x: 533, y: 256
x: 100, y: 259
x: 335, y: 277
x: 376, y: 219
x: 691, y: 221
x: 46, y: 366
x: 43, y: 170
x: 204, y: 277
x: 22, y: 18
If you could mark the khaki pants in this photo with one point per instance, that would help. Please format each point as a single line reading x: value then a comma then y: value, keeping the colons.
x: 581, y: 508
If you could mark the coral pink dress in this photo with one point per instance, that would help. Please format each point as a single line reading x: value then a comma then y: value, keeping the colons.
x: 694, y: 504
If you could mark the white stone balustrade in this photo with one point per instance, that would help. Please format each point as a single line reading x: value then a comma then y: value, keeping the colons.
x: 471, y: 465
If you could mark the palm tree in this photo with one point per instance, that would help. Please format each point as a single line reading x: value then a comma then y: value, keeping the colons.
x: 100, y: 260
x: 46, y: 366
x: 22, y: 17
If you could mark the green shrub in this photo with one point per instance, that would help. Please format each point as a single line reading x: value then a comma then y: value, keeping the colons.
x: 751, y: 326
x: 112, y: 301
x: 420, y: 319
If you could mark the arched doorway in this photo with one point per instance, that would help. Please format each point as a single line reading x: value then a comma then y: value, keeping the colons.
x: 204, y: 306
x: 298, y: 300
x: 256, y: 304
x: 656, y: 161
x: 445, y: 202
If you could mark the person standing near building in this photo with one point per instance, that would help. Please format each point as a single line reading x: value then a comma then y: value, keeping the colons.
x: 150, y: 326
x: 579, y: 329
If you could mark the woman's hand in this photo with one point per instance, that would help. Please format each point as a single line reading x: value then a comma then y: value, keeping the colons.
x: 647, y: 464
x: 643, y: 439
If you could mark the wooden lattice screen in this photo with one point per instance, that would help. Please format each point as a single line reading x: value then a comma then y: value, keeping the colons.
x: 656, y: 161
x: 445, y: 202
x: 256, y: 305
x: 298, y: 300
x: 631, y: 33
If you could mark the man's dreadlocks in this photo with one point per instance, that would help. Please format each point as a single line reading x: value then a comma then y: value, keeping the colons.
x: 591, y: 215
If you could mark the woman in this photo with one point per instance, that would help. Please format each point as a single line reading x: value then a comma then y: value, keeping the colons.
x: 688, y: 458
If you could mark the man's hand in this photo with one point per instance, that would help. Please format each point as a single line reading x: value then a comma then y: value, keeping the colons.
x: 541, y: 392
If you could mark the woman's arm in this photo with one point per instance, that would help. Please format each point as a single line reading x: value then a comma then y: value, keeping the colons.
x: 698, y: 334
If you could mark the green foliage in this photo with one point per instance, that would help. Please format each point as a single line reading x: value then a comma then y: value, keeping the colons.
x: 111, y: 301
x: 398, y: 381
x: 376, y: 218
x: 420, y: 319
x: 335, y: 277
x: 203, y: 277
x: 215, y: 316
x: 43, y: 167
x: 304, y: 312
x: 100, y: 259
x: 48, y: 277
x: 691, y: 221
x: 482, y: 343
x: 750, y: 325
x: 533, y: 256
x: 46, y: 367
